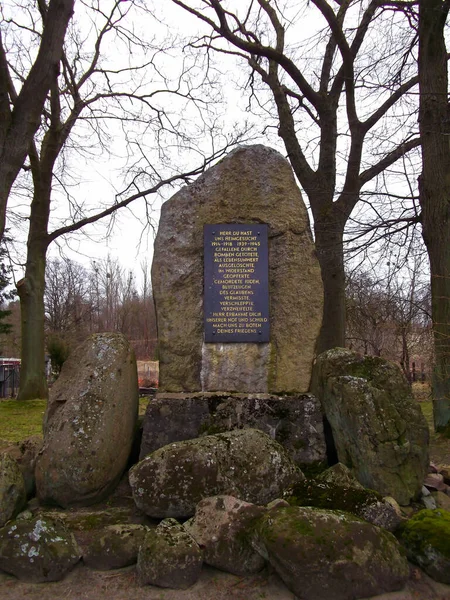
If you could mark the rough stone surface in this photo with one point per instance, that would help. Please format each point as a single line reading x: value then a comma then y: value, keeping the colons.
x: 244, y: 463
x: 426, y: 537
x: 366, y: 504
x: 12, y: 489
x: 293, y: 421
x: 89, y: 423
x: 169, y: 557
x: 378, y: 428
x: 220, y: 528
x: 339, y: 474
x: 326, y: 554
x: 25, y: 453
x: 37, y: 550
x: 114, y: 547
x: 253, y: 184
x: 442, y: 500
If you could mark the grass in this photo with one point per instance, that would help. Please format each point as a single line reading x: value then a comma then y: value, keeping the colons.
x: 19, y: 420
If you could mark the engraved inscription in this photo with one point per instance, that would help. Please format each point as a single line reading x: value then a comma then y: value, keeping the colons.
x: 236, y: 299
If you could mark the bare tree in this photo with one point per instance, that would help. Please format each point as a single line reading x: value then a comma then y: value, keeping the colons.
x: 67, y: 301
x: 20, y: 112
x: 435, y: 189
x: 388, y: 314
x: 88, y: 94
x: 337, y: 97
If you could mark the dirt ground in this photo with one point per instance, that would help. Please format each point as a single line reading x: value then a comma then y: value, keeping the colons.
x: 85, y: 584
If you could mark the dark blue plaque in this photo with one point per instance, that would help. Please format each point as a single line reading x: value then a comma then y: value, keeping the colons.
x: 236, y: 290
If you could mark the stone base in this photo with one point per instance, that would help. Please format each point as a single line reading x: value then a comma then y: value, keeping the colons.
x: 295, y: 421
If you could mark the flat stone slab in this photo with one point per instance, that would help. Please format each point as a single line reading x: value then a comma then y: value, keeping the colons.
x: 293, y: 421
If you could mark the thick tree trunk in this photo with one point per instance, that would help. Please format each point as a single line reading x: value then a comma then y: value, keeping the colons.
x: 435, y: 190
x: 17, y: 128
x: 330, y: 252
x: 33, y: 382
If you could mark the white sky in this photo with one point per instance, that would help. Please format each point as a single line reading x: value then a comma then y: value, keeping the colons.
x: 98, y: 178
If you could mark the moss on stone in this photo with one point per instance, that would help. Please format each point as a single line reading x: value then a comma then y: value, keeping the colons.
x: 313, y: 469
x: 325, y: 495
x: 427, y: 530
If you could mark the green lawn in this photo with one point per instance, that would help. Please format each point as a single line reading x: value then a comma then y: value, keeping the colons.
x: 19, y: 420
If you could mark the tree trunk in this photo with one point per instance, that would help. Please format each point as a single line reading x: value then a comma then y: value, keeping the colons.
x: 330, y: 252
x: 17, y: 127
x: 33, y: 382
x: 435, y: 190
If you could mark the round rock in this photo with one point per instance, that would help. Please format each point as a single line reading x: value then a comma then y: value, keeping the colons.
x: 247, y: 464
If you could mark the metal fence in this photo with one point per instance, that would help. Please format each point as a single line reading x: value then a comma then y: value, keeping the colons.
x: 9, y: 377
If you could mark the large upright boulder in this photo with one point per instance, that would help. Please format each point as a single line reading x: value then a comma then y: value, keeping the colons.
x: 378, y: 428
x: 252, y: 185
x: 89, y: 423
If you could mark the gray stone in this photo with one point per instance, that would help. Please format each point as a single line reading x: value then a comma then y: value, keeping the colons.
x: 12, y: 489
x: 378, y: 427
x: 37, y: 550
x: 429, y: 502
x: 442, y: 500
x: 339, y: 474
x: 220, y: 528
x: 293, y: 421
x: 169, y: 557
x: 25, y: 453
x: 89, y: 423
x: 252, y: 184
x: 244, y: 463
x: 114, y: 546
x: 363, y: 503
x: 325, y: 554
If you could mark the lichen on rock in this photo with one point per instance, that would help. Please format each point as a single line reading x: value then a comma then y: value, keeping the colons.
x: 245, y: 463
x: 330, y: 554
x: 169, y: 557
x: 37, y: 550
x: 89, y: 423
x: 378, y: 428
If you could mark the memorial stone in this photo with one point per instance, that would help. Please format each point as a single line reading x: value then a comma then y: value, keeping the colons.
x: 236, y: 281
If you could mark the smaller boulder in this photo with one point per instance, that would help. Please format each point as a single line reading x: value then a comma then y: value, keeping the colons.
x: 114, y: 547
x: 339, y: 474
x: 426, y: 537
x: 220, y: 527
x: 37, y: 550
x: 442, y: 500
x: 12, y: 489
x: 366, y: 504
x: 245, y: 463
x: 169, y: 557
x: 330, y: 554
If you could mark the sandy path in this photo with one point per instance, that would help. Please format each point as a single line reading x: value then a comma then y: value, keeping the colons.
x: 85, y: 584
